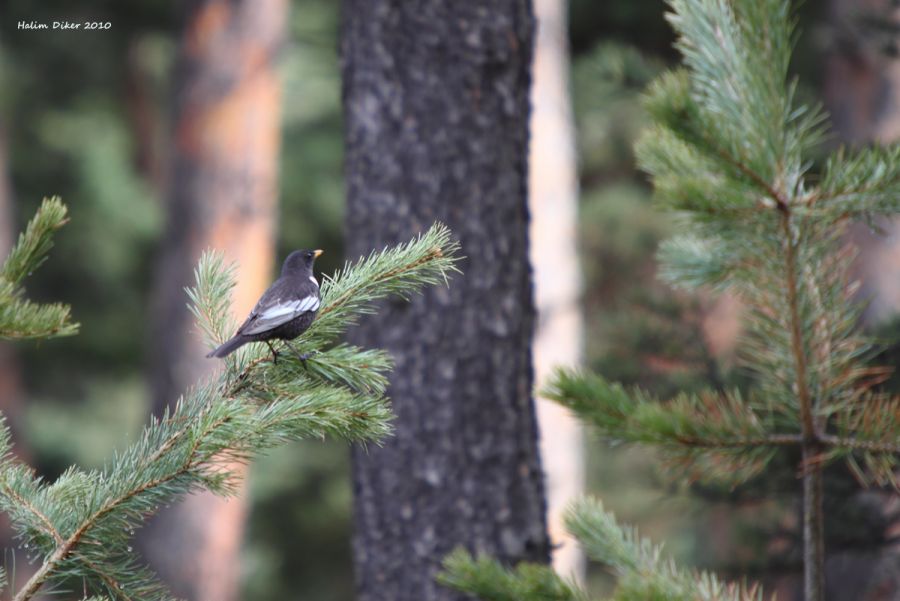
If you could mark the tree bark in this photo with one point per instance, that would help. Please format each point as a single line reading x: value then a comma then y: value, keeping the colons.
x: 436, y: 115
x: 222, y: 195
x: 553, y: 204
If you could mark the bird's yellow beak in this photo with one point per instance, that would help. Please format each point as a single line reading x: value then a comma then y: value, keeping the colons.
x: 317, y: 252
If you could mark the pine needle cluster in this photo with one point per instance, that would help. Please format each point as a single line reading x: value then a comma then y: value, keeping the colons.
x: 643, y: 572
x: 79, y: 528
x: 19, y: 317
x: 730, y: 153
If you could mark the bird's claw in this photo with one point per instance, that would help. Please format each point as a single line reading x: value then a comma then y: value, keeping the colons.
x: 274, y: 353
x: 301, y: 356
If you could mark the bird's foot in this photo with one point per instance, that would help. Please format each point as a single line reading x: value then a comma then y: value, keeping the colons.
x: 301, y: 356
x: 306, y: 356
x: 274, y: 353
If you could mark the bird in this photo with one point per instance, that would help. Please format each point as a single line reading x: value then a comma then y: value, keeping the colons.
x: 284, y: 311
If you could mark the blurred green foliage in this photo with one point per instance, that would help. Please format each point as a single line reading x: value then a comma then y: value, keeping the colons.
x: 639, y: 330
x: 67, y: 105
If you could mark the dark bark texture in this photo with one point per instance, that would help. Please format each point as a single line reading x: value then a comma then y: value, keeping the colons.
x: 436, y: 106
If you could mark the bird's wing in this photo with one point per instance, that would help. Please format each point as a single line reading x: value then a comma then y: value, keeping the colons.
x: 271, y: 315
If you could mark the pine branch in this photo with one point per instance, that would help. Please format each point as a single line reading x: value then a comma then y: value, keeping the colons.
x: 855, y: 443
x: 486, y: 579
x: 81, y: 525
x: 19, y: 318
x: 31, y: 249
x: 639, y: 565
x: 642, y: 571
x: 429, y: 259
x: 798, y: 344
x: 865, y: 183
x: 739, y: 81
x: 690, y: 261
x: 692, y: 170
x: 709, y: 435
x: 866, y: 435
x: 728, y: 152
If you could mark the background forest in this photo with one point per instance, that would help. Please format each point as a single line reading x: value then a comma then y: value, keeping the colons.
x: 89, y: 117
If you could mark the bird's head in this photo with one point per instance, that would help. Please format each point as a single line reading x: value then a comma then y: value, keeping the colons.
x: 300, y: 262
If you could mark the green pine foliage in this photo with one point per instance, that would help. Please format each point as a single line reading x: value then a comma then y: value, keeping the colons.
x: 487, y: 579
x: 643, y: 572
x: 729, y: 156
x: 81, y: 525
x: 730, y: 153
x: 19, y: 317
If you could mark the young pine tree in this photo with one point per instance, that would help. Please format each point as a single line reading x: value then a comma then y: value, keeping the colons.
x: 79, y: 528
x: 729, y: 156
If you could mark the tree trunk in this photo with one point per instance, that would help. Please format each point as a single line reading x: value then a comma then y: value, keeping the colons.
x: 222, y: 195
x: 436, y: 114
x: 553, y: 204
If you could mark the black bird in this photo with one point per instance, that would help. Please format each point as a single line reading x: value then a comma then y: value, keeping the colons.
x: 284, y: 311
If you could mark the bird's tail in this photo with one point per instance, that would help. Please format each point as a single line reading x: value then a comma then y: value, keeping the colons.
x: 229, y: 347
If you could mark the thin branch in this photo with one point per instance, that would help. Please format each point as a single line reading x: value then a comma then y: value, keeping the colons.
x: 813, y: 518
x: 780, y: 201
x: 435, y: 253
x: 111, y: 582
x: 877, y: 187
x: 862, y: 445
x: 781, y: 440
x: 813, y: 526
x: 37, y: 512
x: 828, y: 440
x: 39, y: 577
x: 63, y: 551
x: 797, y: 345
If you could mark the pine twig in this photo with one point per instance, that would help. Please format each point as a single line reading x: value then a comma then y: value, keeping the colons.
x: 216, y: 423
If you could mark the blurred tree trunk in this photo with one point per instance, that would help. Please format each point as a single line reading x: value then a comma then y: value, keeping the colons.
x: 145, y: 115
x: 862, y: 93
x: 436, y: 106
x: 222, y: 194
x: 553, y: 203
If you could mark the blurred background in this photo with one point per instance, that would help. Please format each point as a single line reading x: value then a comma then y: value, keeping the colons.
x: 103, y: 118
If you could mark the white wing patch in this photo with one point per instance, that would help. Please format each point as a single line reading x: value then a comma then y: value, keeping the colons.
x: 279, y: 314
x: 309, y: 303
